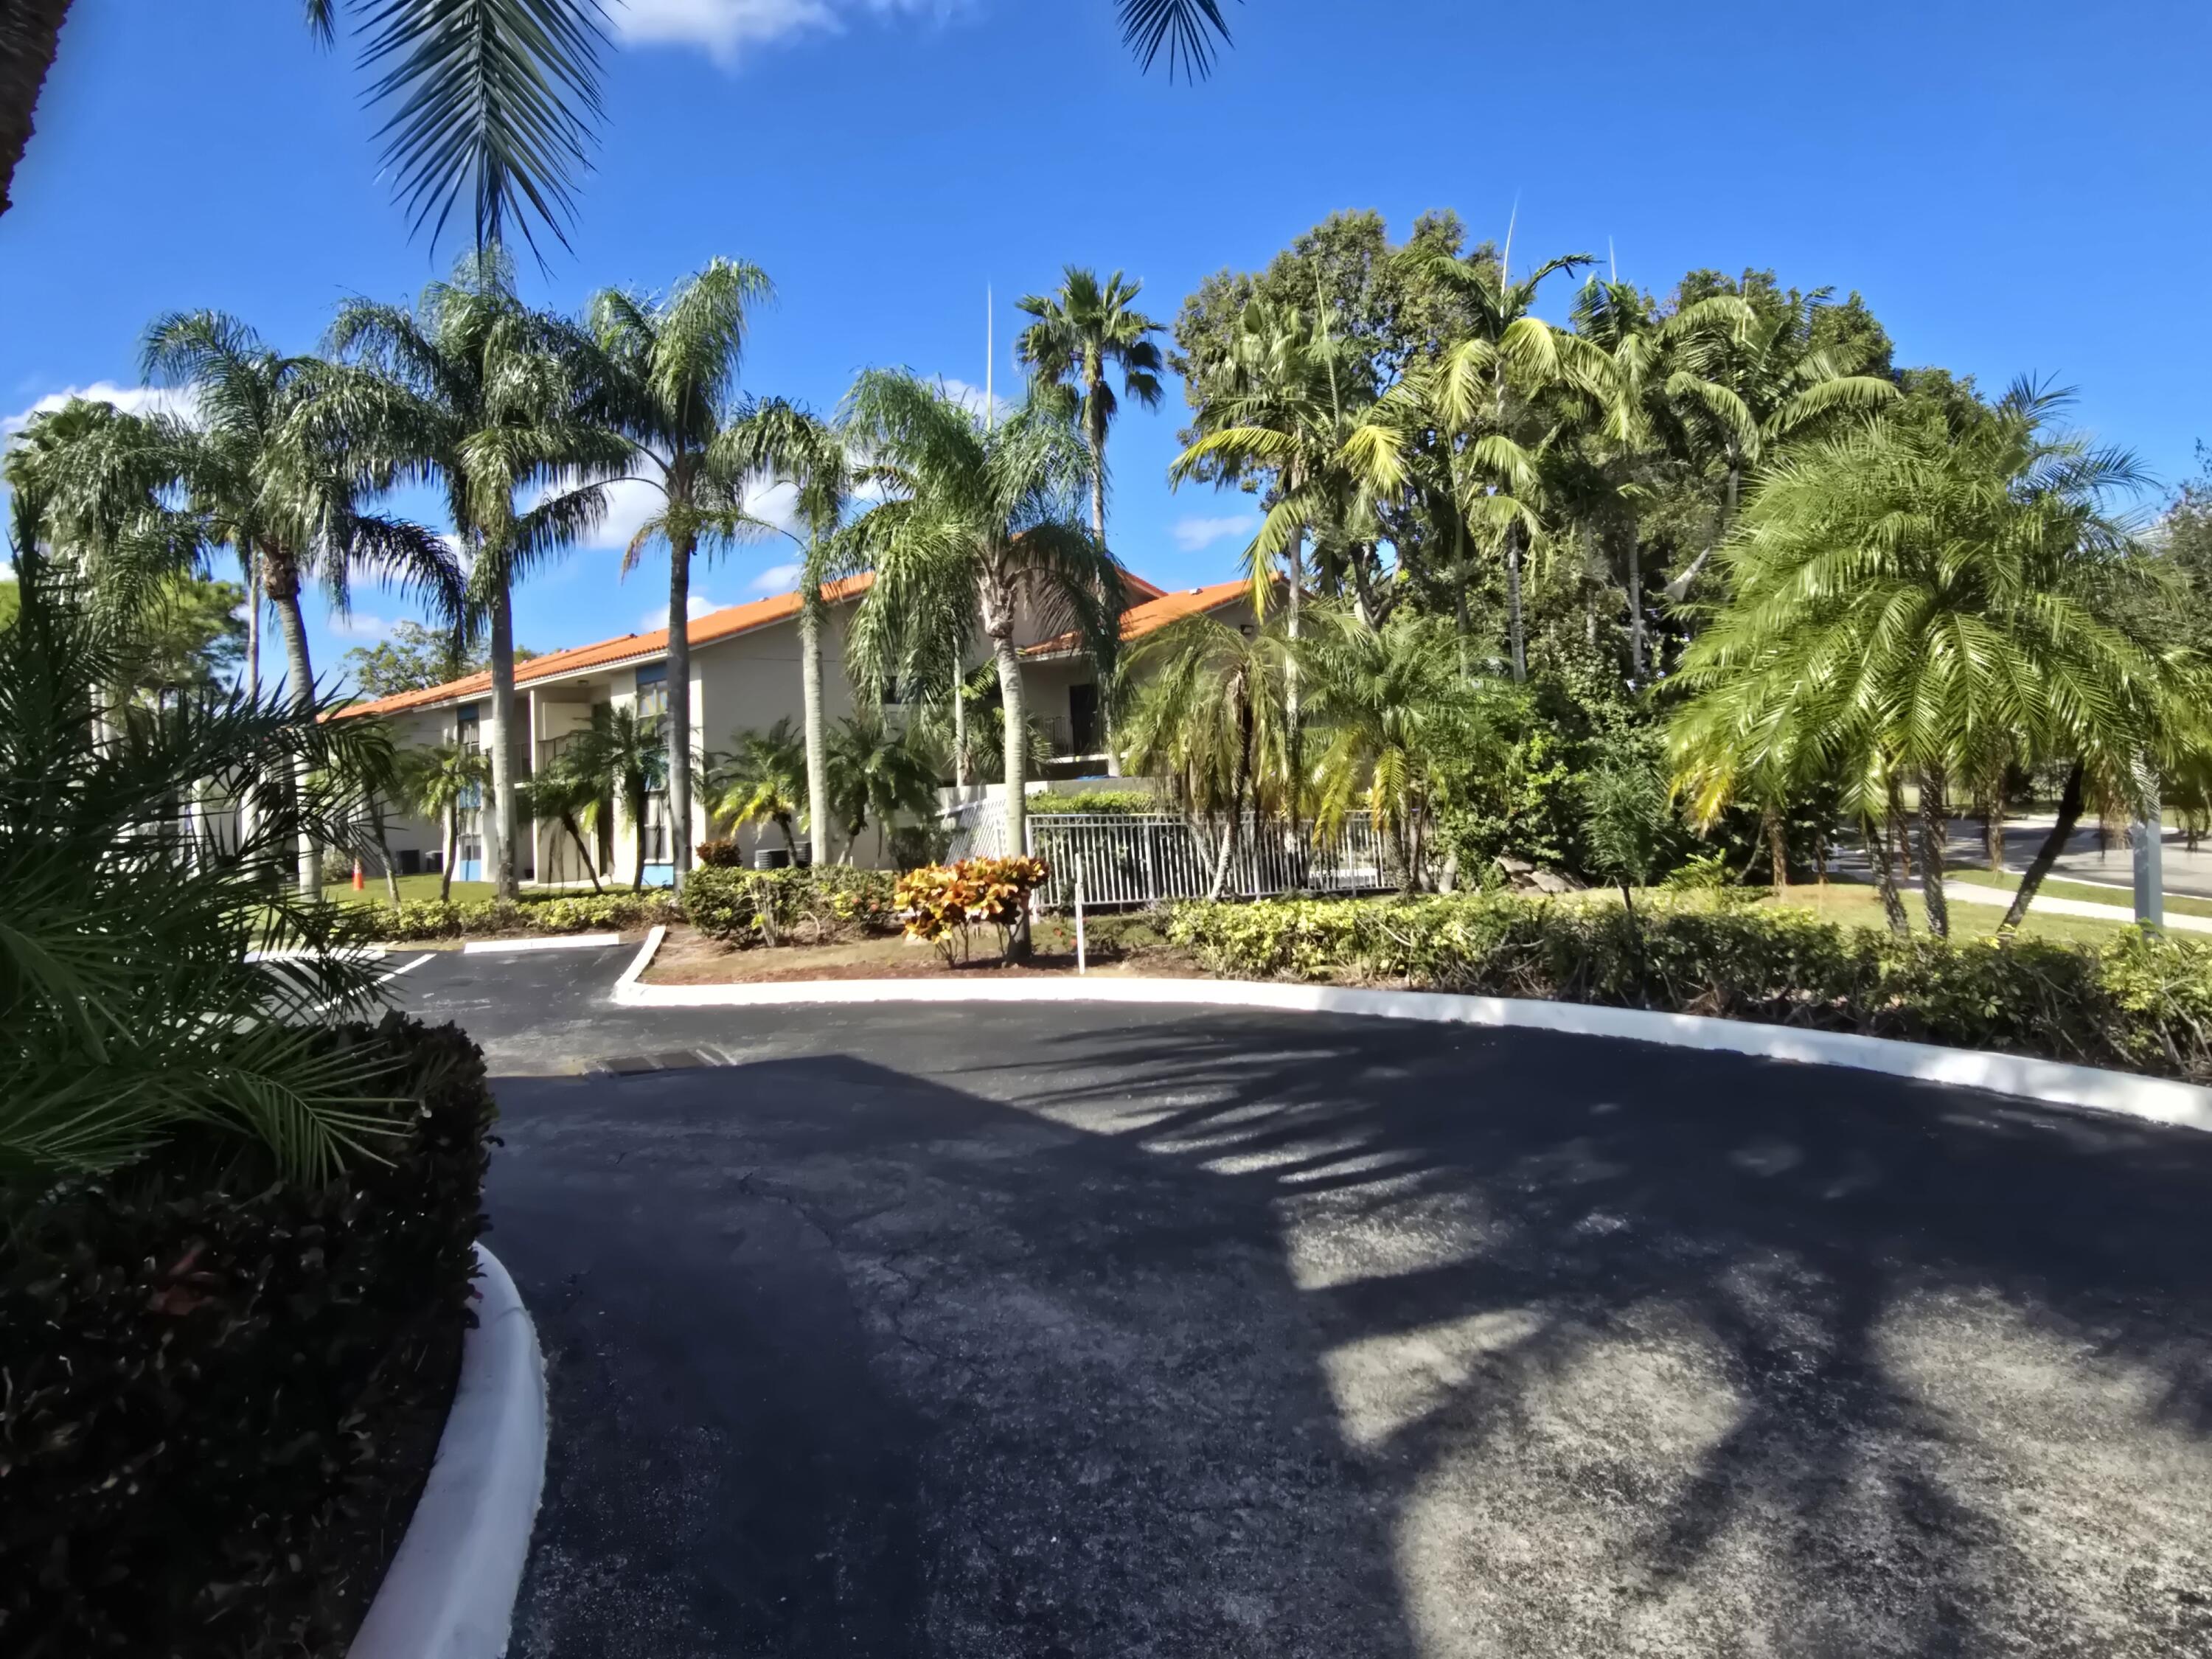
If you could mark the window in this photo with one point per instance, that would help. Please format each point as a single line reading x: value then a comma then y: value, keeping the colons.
x: 653, y: 690
x: 467, y: 730
x: 653, y: 705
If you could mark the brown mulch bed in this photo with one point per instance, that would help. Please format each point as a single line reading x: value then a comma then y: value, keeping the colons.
x: 686, y: 958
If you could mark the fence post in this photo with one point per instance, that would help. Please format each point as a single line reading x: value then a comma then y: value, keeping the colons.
x: 1081, y: 965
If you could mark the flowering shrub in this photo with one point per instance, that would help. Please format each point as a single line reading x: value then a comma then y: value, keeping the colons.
x: 945, y: 903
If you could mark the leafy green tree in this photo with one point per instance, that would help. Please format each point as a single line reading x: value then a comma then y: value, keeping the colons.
x: 188, y: 637
x: 1910, y: 597
x: 495, y: 401
x: 1210, y: 715
x: 1628, y: 820
x: 415, y: 657
x: 567, y: 791
x: 761, y: 780
x: 10, y: 603
x: 877, y: 772
x: 991, y: 514
x: 778, y: 437
x: 668, y: 371
x: 435, y: 782
x: 625, y: 754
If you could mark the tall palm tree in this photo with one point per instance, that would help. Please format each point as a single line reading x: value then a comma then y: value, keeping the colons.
x: 1211, y: 716
x: 495, y: 402
x: 1909, y: 598
x: 1743, y: 387
x: 435, y: 782
x: 289, y: 504
x: 667, y: 372
x: 1085, y: 332
x: 763, y: 780
x: 625, y: 754
x: 992, y: 513
x: 780, y: 438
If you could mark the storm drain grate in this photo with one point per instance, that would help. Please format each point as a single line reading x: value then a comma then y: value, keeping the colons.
x: 668, y: 1060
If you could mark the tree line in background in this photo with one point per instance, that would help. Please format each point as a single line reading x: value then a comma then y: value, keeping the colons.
x: 1713, y: 550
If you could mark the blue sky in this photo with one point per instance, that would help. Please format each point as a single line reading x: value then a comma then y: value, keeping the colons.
x: 2014, y: 188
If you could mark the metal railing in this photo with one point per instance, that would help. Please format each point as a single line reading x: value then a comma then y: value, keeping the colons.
x: 1136, y: 859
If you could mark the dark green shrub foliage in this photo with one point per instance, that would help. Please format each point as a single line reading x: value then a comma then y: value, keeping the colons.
x: 203, y: 1364
x: 1125, y: 802
x: 2142, y: 1003
x: 565, y: 912
x: 791, y: 907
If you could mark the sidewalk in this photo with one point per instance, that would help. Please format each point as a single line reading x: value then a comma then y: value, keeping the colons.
x: 1969, y: 892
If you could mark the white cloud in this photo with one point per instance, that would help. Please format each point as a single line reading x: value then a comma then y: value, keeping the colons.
x: 697, y: 605
x: 729, y: 31
x: 776, y: 579
x: 358, y: 625
x: 970, y: 398
x: 1195, y: 533
x: 131, y: 399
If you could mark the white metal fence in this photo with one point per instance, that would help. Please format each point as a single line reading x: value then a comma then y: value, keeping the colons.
x: 1145, y: 858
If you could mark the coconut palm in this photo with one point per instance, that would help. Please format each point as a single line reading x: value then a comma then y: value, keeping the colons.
x: 878, y: 772
x: 625, y: 755
x: 1913, y: 597
x: 666, y: 372
x: 436, y: 782
x: 763, y: 780
x: 1391, y: 711
x: 779, y: 438
x: 493, y: 401
x: 990, y: 513
x: 1211, y: 716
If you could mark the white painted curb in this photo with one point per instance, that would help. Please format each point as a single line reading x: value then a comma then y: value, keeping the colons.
x: 627, y: 982
x: 558, y: 942
x: 2158, y: 1100
x: 450, y: 1592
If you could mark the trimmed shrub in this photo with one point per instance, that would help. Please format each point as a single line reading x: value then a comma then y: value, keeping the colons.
x: 809, y: 906
x: 564, y: 912
x: 206, y: 1366
x: 943, y: 902
x: 717, y: 855
x: 2142, y: 1003
x: 1124, y: 802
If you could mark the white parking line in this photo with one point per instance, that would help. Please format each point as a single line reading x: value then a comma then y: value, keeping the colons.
x: 570, y: 942
x: 407, y: 967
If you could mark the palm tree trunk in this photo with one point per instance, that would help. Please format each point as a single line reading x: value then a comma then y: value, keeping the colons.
x: 818, y: 760
x: 1635, y: 602
x: 963, y: 774
x: 1876, y: 836
x: 1777, y: 847
x: 453, y: 816
x: 30, y: 30
x: 1933, y: 832
x: 1294, y: 736
x: 638, y: 809
x: 384, y: 849
x: 1514, y: 628
x: 1017, y: 762
x: 679, y: 708
x: 576, y: 835
x: 285, y: 592
x: 252, y: 672
x: 1096, y: 409
x: 2070, y: 814
x: 505, y: 884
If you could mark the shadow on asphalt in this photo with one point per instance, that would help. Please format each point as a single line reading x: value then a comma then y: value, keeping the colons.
x: 1239, y: 1337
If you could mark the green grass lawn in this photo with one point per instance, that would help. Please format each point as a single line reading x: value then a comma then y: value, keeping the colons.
x: 1859, y: 905
x: 2053, y: 887
x: 411, y: 889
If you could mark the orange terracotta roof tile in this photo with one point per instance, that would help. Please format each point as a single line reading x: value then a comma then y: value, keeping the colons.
x: 1140, y: 620
x: 704, y: 630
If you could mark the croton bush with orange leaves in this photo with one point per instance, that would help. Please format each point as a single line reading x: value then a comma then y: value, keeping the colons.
x: 944, y: 903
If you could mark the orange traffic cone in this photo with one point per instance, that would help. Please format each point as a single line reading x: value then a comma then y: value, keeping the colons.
x: 359, y: 885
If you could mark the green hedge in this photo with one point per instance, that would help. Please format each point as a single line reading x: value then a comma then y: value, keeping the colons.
x: 805, y: 906
x: 2142, y: 1003
x: 1124, y: 802
x: 203, y: 1366
x: 577, y: 913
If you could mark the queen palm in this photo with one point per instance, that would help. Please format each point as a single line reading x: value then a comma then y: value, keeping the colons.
x: 987, y: 514
x: 805, y: 451
x: 667, y: 371
x: 264, y: 484
x: 494, y: 401
x: 1909, y: 599
x: 435, y: 782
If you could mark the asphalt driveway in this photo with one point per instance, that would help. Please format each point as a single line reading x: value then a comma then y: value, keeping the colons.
x: 1022, y: 1331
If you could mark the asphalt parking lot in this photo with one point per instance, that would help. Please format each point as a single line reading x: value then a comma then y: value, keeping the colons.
x: 1104, y: 1331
